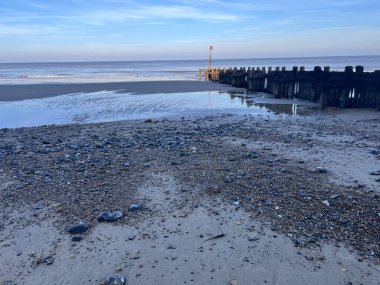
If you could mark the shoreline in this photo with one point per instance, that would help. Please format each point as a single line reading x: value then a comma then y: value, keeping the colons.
x: 278, y: 189
x: 39, y: 91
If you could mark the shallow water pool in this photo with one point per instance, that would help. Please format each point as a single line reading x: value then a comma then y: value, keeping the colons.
x: 108, y: 106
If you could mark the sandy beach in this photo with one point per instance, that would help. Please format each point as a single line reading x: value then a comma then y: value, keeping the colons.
x: 38, y: 91
x: 222, y: 199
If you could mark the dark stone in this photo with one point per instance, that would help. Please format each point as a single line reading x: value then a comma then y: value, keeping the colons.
x: 110, y: 216
x: 321, y: 170
x: 134, y: 207
x: 49, y: 260
x: 76, y: 238
x: 78, y: 229
x: 268, y: 203
x: 116, y: 279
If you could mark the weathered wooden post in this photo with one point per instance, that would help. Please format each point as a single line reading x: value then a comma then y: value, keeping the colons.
x: 377, y: 89
x: 347, y: 86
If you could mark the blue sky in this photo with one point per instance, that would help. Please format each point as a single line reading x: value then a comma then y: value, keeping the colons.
x: 81, y: 30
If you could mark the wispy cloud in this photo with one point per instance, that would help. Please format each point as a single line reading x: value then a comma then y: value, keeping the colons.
x: 149, y: 13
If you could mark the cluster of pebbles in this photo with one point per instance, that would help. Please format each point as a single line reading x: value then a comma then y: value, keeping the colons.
x: 86, y: 170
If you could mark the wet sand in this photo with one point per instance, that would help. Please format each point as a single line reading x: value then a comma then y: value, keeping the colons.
x: 280, y: 189
x: 35, y: 91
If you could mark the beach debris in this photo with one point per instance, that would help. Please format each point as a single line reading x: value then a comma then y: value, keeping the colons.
x: 321, y: 170
x: 215, y: 237
x: 135, y: 207
x: 116, y: 279
x: 110, y: 216
x: 78, y: 228
x: 325, y: 202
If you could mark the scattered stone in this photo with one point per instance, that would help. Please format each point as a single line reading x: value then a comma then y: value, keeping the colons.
x: 193, y: 149
x: 213, y: 190
x: 116, y: 279
x: 49, y: 260
x: 375, y: 173
x: 267, y: 203
x: 135, y: 207
x: 234, y: 282
x: 78, y: 228
x: 216, y: 237
x: 76, y: 238
x: 110, y: 216
x: 321, y: 170
x: 148, y: 121
x: 325, y: 202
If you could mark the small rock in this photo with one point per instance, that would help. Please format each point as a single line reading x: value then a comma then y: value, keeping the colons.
x: 325, y: 202
x: 110, y: 216
x: 321, y: 170
x: 148, y: 121
x: 48, y: 260
x: 193, y: 149
x: 268, y: 203
x: 375, y: 173
x: 234, y: 282
x: 116, y: 279
x: 76, y: 238
x: 134, y: 207
x: 78, y: 229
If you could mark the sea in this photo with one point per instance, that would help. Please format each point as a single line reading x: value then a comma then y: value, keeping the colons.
x: 107, y: 106
x: 120, y: 71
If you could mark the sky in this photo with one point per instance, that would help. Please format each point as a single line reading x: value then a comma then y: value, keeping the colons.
x: 92, y: 30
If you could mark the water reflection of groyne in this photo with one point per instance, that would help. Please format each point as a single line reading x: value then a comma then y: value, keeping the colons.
x: 277, y: 108
x: 351, y: 88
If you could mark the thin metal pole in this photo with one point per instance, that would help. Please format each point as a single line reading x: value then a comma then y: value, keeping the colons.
x: 210, y: 62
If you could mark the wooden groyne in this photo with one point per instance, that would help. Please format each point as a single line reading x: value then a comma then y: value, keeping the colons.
x: 348, y: 88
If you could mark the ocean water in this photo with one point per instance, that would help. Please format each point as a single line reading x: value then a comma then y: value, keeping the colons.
x: 84, y: 72
x: 112, y: 106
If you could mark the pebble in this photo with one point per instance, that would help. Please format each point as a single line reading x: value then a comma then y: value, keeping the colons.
x: 110, y: 216
x: 325, y: 202
x: 134, y: 207
x: 76, y: 238
x: 116, y: 279
x: 321, y: 170
x: 78, y: 228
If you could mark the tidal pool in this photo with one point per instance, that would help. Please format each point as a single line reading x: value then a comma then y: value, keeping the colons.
x: 108, y: 106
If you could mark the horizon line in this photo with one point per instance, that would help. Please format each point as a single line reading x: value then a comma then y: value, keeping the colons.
x: 205, y: 59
